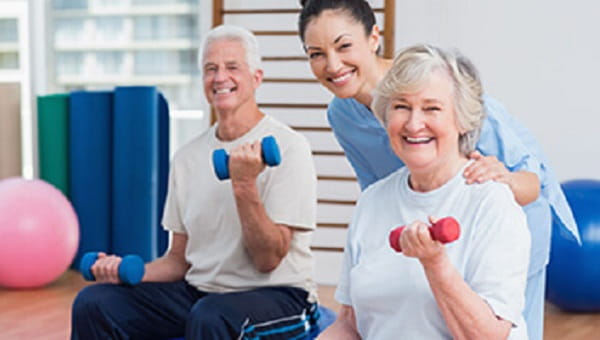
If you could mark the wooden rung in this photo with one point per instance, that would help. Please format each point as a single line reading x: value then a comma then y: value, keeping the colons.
x: 329, y: 153
x: 328, y: 249
x: 291, y: 58
x: 332, y: 225
x: 292, y: 33
x: 292, y: 106
x: 312, y: 128
x: 290, y: 80
x: 276, y: 33
x: 336, y: 178
x: 262, y: 11
x: 339, y: 202
x: 274, y: 11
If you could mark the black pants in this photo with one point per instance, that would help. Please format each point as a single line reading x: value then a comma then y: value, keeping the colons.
x: 165, y: 310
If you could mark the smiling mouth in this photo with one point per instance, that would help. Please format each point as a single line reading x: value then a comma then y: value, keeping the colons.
x: 342, y: 78
x: 418, y: 140
x: 225, y: 90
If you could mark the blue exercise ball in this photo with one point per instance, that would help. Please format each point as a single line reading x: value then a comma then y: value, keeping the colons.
x: 573, y: 281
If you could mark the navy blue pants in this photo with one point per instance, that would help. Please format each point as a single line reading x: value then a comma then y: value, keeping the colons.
x: 165, y: 310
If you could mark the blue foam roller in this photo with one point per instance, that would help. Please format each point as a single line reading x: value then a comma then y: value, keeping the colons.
x: 135, y: 171
x: 163, y: 171
x: 90, y: 167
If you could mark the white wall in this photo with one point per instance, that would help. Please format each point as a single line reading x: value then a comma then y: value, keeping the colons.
x: 539, y: 58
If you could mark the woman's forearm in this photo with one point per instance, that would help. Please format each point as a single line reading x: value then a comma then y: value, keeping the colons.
x: 525, y: 186
x: 466, y: 314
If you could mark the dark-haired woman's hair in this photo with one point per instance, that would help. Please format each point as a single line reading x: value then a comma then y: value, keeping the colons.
x: 359, y: 10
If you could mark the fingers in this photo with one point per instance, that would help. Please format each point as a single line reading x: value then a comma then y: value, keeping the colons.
x: 245, y: 161
x: 415, y: 238
x: 485, y: 168
x: 106, y: 268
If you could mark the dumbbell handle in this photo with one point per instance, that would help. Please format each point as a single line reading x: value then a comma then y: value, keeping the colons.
x: 270, y: 156
x: 131, y: 268
x: 444, y: 230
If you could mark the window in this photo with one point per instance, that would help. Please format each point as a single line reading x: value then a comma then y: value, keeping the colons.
x: 99, y: 44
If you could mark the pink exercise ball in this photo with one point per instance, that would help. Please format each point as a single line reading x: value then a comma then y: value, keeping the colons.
x: 39, y: 233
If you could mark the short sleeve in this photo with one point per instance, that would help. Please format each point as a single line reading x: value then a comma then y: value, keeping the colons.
x: 364, y: 174
x: 342, y: 292
x: 499, y: 138
x: 499, y: 259
x: 290, y: 193
x: 172, y: 220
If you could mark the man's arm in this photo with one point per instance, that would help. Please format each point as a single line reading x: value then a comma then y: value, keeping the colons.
x: 525, y: 185
x: 172, y: 266
x: 267, y: 243
x: 168, y: 268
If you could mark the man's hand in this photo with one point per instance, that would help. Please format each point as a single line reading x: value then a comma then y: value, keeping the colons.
x: 106, y: 268
x: 245, y: 162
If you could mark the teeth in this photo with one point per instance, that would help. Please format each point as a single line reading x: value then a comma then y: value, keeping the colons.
x: 418, y: 139
x: 222, y: 91
x: 342, y: 78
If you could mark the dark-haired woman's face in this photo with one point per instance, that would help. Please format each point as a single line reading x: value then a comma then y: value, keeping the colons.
x: 340, y: 54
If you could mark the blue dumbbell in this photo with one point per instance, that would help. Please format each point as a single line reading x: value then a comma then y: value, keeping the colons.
x: 131, y: 269
x: 270, y: 155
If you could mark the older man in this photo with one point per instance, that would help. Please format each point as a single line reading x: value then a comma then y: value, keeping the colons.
x: 239, y: 263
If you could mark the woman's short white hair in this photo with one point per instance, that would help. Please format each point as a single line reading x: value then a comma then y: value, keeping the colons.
x: 412, y: 69
x: 236, y: 33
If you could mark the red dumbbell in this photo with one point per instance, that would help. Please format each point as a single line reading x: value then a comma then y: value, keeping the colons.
x: 444, y: 230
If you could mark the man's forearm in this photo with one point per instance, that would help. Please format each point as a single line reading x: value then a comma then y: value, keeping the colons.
x: 266, y: 242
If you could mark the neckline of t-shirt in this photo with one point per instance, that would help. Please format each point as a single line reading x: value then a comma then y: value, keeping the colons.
x: 253, y: 134
x: 426, y: 196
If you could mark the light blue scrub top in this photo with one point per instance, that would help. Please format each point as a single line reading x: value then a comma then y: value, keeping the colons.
x: 367, y: 147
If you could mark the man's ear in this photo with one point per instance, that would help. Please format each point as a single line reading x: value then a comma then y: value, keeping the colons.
x: 258, y: 78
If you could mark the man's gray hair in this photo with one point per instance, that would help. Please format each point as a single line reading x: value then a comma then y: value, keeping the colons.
x: 236, y: 33
x: 412, y: 69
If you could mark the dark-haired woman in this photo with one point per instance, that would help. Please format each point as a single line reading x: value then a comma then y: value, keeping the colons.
x: 341, y: 39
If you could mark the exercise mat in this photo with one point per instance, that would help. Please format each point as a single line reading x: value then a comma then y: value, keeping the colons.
x: 90, y: 168
x: 53, y: 112
x: 137, y: 177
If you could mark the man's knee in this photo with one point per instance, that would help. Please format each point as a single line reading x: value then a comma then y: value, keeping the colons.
x: 212, y: 315
x: 91, y: 299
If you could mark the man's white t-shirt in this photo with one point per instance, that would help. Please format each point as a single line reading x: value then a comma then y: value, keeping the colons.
x: 390, y: 293
x: 203, y: 207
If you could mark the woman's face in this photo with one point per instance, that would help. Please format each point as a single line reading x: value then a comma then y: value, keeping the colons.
x: 340, y: 54
x: 422, y: 126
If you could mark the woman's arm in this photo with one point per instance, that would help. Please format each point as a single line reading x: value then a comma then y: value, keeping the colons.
x: 466, y: 314
x: 525, y: 185
x: 344, y: 326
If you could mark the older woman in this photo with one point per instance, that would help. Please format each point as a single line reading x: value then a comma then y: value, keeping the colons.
x: 430, y: 104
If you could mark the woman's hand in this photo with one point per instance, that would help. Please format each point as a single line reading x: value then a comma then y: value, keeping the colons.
x: 486, y: 168
x: 525, y: 185
x: 106, y: 268
x: 416, y: 242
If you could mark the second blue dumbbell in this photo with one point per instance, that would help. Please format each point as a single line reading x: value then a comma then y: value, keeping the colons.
x: 270, y: 155
x: 131, y: 269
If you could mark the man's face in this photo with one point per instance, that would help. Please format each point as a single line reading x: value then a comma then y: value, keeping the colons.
x: 228, y: 81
